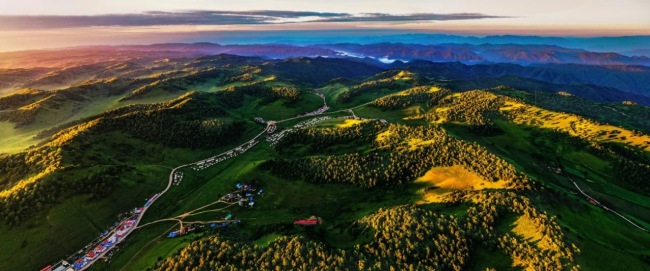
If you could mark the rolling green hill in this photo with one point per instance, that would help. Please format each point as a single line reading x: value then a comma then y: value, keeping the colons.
x: 403, y: 171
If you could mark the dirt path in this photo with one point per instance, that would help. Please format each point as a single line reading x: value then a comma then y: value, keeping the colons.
x: 597, y: 203
x: 137, y: 225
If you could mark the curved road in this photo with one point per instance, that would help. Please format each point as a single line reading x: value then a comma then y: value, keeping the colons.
x: 135, y: 225
x: 171, y: 179
x: 597, y: 203
x: 144, y: 210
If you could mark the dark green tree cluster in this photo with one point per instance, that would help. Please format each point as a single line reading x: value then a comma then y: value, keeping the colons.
x: 633, y: 174
x: 20, y: 98
x: 34, y: 179
x: 246, y: 74
x: 182, y: 122
x: 22, y: 116
x: 165, y: 84
x: 14, y: 167
x: 420, y: 94
x: 179, y: 81
x: 26, y: 105
x: 99, y: 183
x: 441, y: 149
x: 27, y: 197
x: 628, y: 115
x: 234, y: 96
x: 367, y: 170
x: 246, y: 77
x: 405, y: 238
x: 551, y: 252
x: 399, y: 164
x: 289, y: 94
x: 470, y: 107
x: 476, y: 108
x: 164, y: 128
x: 24, y: 199
x: 26, y: 186
x: 411, y: 238
x: 342, y: 80
x: 630, y: 165
x: 369, y: 86
x: 319, y: 140
x: 193, y: 104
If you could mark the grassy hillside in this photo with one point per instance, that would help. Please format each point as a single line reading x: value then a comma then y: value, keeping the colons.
x: 402, y: 169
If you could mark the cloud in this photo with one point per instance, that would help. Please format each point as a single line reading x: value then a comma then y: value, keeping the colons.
x: 384, y: 17
x: 206, y: 17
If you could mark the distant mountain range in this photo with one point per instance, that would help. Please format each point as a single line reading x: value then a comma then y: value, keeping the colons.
x: 621, y: 44
x: 609, y: 72
x: 385, y: 52
x: 493, y: 53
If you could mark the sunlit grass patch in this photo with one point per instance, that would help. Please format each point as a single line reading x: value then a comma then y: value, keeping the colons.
x: 403, y: 75
x: 350, y: 123
x: 509, y: 105
x: 576, y: 125
x: 525, y: 228
x: 265, y: 240
x: 385, y: 135
x: 440, y: 181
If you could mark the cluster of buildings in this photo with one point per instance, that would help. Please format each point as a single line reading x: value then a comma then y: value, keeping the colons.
x: 178, y: 176
x: 106, y: 241
x: 275, y: 138
x: 191, y: 228
x: 259, y: 120
x: 203, y: 164
x: 271, y: 128
x: 244, y: 195
x: 181, y: 231
x: 110, y: 238
x: 306, y: 124
x: 318, y: 111
x: 95, y: 252
x: 60, y: 266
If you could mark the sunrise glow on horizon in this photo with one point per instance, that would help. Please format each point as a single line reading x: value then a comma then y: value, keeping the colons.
x: 34, y: 24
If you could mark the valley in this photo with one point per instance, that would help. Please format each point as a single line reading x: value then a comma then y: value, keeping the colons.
x: 396, y: 162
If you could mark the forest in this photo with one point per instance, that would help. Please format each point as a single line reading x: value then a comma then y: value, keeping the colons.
x: 393, y: 163
x: 408, y: 172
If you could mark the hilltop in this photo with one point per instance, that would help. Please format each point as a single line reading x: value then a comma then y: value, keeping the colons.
x: 406, y: 165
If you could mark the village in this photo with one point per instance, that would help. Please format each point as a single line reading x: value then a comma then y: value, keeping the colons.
x: 107, y: 240
x: 243, y: 195
x: 103, y: 247
x: 275, y: 138
x: 203, y: 164
x: 320, y: 110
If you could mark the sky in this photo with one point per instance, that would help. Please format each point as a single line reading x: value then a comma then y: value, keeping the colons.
x: 32, y: 24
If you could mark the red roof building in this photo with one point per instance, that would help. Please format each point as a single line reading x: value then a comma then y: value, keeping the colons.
x: 306, y: 222
x: 99, y: 249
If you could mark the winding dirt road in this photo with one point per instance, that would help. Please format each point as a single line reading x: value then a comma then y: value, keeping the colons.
x: 597, y: 203
x: 137, y: 225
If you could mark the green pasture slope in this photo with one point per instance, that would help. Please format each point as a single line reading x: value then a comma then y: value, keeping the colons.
x: 595, y: 231
x: 606, y: 242
x: 71, y: 224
